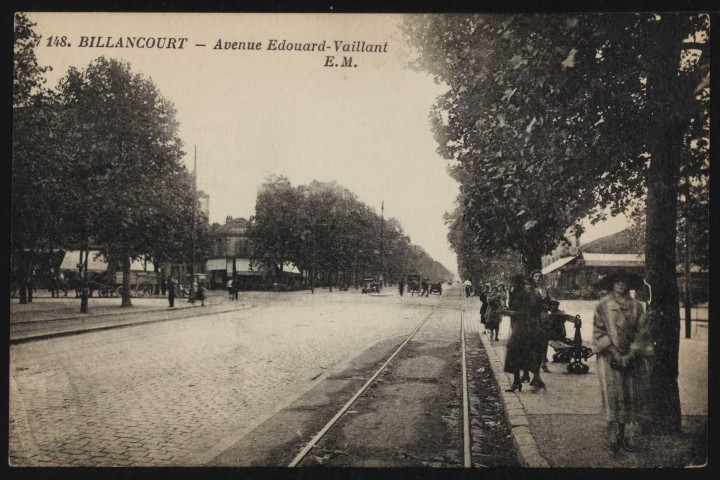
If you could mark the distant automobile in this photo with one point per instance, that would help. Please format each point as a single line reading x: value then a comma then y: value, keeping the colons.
x: 370, y: 285
x: 413, y: 283
x: 436, y: 288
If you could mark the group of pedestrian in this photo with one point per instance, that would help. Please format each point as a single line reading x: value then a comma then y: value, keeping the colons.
x: 527, y: 338
x: 57, y: 283
x: 173, y: 289
x: 621, y: 336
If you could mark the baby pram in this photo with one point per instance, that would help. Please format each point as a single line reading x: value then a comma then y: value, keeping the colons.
x: 567, y: 350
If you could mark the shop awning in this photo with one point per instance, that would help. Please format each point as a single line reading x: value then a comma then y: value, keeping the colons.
x: 613, y: 260
x: 291, y: 269
x: 72, y: 258
x: 97, y: 263
x: 215, y: 264
x: 557, y: 264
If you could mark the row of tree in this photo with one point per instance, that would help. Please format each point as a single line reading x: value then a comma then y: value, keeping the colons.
x: 323, y: 228
x: 551, y: 119
x: 96, y: 161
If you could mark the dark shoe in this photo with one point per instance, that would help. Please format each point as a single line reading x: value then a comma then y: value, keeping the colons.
x: 525, y: 379
x: 515, y: 386
x: 537, y: 385
x: 625, y: 445
x: 545, y: 369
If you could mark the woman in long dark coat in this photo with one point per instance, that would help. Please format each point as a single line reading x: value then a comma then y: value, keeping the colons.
x: 523, y: 345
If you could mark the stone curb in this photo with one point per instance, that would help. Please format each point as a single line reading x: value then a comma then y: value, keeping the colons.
x: 523, y: 441
x: 90, y: 316
x: 45, y: 336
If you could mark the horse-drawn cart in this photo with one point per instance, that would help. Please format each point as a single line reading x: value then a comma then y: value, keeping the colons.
x: 142, y: 284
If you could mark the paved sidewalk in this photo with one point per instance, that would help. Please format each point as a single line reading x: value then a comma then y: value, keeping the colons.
x: 52, y: 317
x: 562, y: 427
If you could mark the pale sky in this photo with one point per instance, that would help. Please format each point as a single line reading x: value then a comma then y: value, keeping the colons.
x: 252, y: 113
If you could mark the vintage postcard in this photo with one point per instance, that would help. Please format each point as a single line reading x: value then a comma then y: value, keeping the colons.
x: 359, y: 240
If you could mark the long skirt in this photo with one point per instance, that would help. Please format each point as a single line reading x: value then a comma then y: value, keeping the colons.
x: 523, y: 348
x: 616, y: 391
x: 493, y: 319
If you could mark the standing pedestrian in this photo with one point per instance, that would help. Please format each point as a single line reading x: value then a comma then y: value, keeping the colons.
x: 545, y: 316
x: 401, y: 286
x: 200, y: 292
x: 623, y: 346
x: 521, y: 353
x: 171, y: 291
x: 493, y: 315
x: 484, y: 305
x: 468, y: 287
x: 235, y: 287
x: 62, y: 282
x: 503, y: 294
x: 425, y: 287
x: 229, y: 287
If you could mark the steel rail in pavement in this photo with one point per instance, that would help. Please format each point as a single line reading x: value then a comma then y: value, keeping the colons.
x: 298, y: 458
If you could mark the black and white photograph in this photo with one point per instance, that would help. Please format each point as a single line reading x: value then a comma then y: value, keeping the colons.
x: 299, y: 240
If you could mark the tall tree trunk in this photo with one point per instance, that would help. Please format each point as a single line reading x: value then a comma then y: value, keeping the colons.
x: 669, y: 98
x: 660, y: 265
x: 126, y: 301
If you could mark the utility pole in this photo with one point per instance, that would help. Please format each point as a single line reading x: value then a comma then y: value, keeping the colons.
x: 312, y: 266
x: 382, y: 242
x: 192, y: 255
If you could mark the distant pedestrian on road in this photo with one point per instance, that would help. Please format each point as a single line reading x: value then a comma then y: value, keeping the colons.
x: 229, y: 287
x: 468, y: 287
x: 623, y: 345
x: 171, y: 291
x: 401, y: 286
x: 424, y: 285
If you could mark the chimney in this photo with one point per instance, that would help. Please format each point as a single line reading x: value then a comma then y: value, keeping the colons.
x: 228, y: 219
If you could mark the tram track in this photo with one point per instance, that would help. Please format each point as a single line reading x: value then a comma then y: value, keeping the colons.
x: 311, y: 444
x: 468, y: 453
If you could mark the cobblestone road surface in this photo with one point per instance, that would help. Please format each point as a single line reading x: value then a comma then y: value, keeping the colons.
x: 177, y: 393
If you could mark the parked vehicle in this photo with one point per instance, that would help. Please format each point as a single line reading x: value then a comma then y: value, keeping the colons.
x: 436, y: 288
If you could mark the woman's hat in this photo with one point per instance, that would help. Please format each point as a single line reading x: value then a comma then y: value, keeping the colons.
x: 633, y: 280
